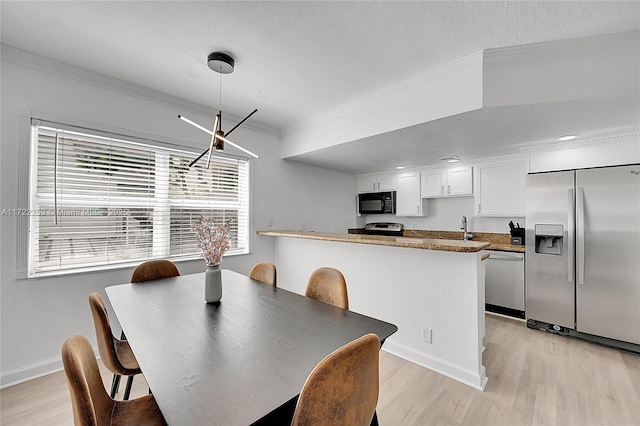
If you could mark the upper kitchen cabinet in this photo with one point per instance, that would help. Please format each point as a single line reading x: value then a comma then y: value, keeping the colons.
x: 375, y: 183
x: 454, y: 182
x: 500, y: 188
x: 409, y: 201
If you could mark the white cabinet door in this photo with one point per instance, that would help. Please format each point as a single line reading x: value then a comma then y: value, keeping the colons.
x: 387, y: 183
x: 459, y: 181
x: 453, y: 182
x: 376, y: 183
x: 500, y: 188
x: 433, y: 183
x: 408, y: 197
x: 367, y: 184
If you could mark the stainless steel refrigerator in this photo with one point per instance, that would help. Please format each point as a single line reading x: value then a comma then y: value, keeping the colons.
x: 583, y: 253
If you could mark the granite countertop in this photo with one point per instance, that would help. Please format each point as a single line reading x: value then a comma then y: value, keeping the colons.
x: 497, y: 241
x: 407, y: 241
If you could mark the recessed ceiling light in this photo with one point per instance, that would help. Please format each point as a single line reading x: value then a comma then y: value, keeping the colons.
x: 451, y: 159
x: 566, y: 138
x: 399, y: 167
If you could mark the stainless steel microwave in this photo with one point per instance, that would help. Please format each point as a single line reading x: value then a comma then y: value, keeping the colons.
x: 377, y: 203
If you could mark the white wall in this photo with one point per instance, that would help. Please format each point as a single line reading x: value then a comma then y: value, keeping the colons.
x: 409, y: 288
x: 456, y: 85
x: 445, y: 214
x: 37, y: 315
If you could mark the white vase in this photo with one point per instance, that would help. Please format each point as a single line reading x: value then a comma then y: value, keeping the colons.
x: 213, y: 284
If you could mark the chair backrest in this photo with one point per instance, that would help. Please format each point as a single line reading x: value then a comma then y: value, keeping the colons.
x: 343, y: 388
x: 91, y: 404
x: 154, y: 270
x: 329, y: 286
x: 104, y: 334
x: 264, y: 272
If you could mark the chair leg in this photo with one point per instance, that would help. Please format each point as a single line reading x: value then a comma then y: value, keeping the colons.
x: 374, y: 420
x: 115, y: 385
x: 127, y: 390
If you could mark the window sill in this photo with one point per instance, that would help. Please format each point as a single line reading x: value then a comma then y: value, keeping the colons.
x: 22, y: 275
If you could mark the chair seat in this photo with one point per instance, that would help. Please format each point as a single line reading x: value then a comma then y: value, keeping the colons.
x: 91, y: 404
x: 140, y: 412
x: 329, y: 286
x: 264, y: 272
x: 127, y: 359
x: 343, y: 388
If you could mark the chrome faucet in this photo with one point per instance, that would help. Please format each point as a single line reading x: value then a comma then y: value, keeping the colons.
x: 467, y: 236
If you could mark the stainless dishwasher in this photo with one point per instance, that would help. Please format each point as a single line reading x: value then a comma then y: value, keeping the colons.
x: 504, y: 283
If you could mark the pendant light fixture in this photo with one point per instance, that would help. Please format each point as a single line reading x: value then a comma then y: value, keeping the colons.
x: 222, y: 64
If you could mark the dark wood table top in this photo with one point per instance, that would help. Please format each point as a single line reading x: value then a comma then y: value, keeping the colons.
x: 234, y: 362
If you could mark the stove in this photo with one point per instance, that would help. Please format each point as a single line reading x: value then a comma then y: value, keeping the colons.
x: 383, y: 228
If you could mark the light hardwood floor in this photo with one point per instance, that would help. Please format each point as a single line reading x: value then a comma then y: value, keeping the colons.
x: 535, y: 378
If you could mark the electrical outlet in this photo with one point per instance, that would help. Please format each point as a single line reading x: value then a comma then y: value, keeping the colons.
x: 426, y: 334
x: 270, y: 221
x: 299, y: 226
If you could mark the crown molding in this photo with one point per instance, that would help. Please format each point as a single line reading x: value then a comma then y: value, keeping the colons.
x: 562, y: 49
x: 579, y: 143
x: 62, y: 69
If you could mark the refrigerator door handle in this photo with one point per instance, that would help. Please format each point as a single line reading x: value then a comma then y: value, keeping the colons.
x: 570, y: 231
x: 580, y: 235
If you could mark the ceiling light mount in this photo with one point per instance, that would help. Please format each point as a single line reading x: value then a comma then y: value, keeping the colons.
x: 223, y: 64
x: 451, y: 159
x: 220, y: 62
x: 566, y: 138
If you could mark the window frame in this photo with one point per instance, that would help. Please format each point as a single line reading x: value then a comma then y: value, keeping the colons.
x: 244, y: 240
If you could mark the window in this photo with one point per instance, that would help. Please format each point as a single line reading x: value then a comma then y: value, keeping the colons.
x: 98, y: 201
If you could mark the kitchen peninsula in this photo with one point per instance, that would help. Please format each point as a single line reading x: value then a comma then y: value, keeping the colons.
x: 432, y: 289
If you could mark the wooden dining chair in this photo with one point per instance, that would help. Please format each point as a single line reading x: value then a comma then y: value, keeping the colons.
x: 329, y: 286
x: 343, y: 388
x: 146, y: 271
x: 91, y: 404
x: 154, y: 270
x: 116, y: 354
x: 264, y: 272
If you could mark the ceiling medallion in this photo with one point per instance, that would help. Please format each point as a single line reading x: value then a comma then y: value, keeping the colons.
x: 222, y: 64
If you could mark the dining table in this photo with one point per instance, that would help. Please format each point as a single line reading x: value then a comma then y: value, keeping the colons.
x: 240, y: 361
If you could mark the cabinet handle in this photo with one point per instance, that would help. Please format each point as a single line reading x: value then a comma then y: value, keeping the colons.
x: 442, y: 190
x: 378, y: 185
x: 478, y: 209
x: 448, y: 189
x: 374, y: 186
x: 417, y: 209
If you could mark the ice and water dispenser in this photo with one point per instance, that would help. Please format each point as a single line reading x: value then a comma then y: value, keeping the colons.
x: 549, y: 239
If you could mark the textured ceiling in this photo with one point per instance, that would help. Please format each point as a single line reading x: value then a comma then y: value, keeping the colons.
x: 295, y: 60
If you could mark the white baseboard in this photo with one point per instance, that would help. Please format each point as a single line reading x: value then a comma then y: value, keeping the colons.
x: 475, y: 379
x: 33, y: 371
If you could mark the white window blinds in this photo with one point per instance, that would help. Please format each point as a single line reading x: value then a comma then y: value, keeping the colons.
x: 99, y: 201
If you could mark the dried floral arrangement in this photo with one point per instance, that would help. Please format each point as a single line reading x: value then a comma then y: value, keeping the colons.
x: 213, y: 240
